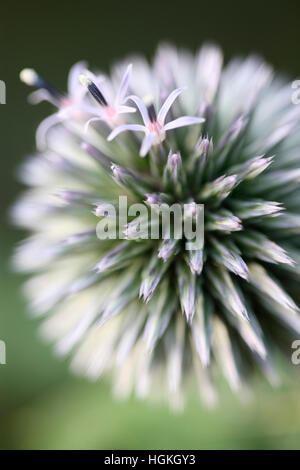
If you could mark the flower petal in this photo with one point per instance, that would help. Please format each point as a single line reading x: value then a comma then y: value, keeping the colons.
x: 124, y: 86
x: 40, y: 95
x: 146, y: 144
x: 125, y: 109
x: 86, y: 126
x: 167, y: 105
x: 74, y: 86
x: 125, y: 127
x: 142, y: 108
x: 44, y: 127
x: 183, y: 121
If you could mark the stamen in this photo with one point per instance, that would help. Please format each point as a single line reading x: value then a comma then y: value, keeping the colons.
x: 93, y: 89
x: 31, y: 78
x: 152, y: 113
x: 148, y: 100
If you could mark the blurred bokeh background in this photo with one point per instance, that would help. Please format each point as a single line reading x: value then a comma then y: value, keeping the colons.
x: 41, y: 404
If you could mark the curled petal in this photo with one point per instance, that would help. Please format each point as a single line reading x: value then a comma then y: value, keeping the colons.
x: 43, y: 129
x: 142, y: 108
x: 126, y: 127
x: 38, y: 96
x: 86, y: 126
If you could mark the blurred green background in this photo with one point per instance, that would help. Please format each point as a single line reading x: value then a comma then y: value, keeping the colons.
x: 41, y: 404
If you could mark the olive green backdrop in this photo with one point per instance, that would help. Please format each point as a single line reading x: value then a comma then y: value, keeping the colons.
x: 41, y: 405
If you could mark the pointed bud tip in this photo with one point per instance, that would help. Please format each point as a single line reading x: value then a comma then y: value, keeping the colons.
x: 152, y: 199
x: 117, y: 171
x: 231, y: 179
x: 174, y: 159
x: 191, y: 209
x: 196, y: 267
x: 100, y: 267
x: 163, y: 253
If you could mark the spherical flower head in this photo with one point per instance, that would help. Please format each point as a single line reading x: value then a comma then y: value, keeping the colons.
x: 145, y: 309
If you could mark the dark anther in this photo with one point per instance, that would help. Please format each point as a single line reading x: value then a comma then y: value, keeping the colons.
x: 152, y: 113
x: 96, y: 93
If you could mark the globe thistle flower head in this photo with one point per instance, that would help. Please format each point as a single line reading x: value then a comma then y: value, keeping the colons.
x: 144, y: 309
